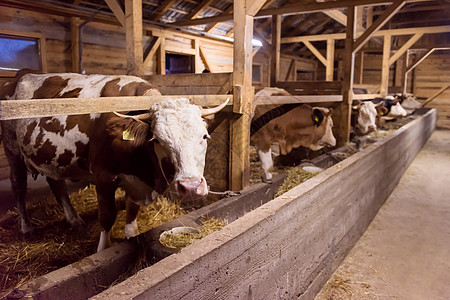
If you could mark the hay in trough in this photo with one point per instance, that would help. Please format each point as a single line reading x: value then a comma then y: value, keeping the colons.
x: 54, y: 244
x: 294, y: 178
x: 183, y: 239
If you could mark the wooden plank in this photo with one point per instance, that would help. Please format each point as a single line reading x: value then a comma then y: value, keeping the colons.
x: 197, y: 59
x: 275, y: 100
x: 404, y: 48
x: 442, y: 90
x: 275, y: 50
x: 162, y: 8
x: 115, y: 7
x: 385, y: 66
x: 291, y: 70
x: 152, y: 51
x: 75, y: 44
x: 378, y: 24
x: 14, y: 109
x: 392, y: 32
x: 316, y: 52
x: 329, y: 71
x: 133, y: 25
x: 209, y: 79
x: 205, y: 59
x: 243, y: 94
x: 344, y: 127
x: 161, y: 61
x: 253, y: 6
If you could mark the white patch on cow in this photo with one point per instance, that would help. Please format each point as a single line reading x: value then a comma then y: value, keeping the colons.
x: 328, y: 138
x: 181, y: 131
x: 397, y: 111
x: 105, y: 241
x: 410, y: 104
x: 131, y: 229
x: 266, y: 163
x: 62, y: 143
x: 366, y: 117
x: 28, y: 84
x: 94, y: 116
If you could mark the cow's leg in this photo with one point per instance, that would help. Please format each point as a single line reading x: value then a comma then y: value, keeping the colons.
x: 266, y: 163
x: 59, y: 189
x: 131, y: 227
x: 18, y: 177
x: 106, y: 212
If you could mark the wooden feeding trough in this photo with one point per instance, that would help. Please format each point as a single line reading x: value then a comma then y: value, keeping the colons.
x: 283, y: 248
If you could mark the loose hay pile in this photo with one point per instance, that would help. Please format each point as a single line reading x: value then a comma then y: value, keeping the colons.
x: 54, y: 244
x: 294, y: 178
x: 183, y: 239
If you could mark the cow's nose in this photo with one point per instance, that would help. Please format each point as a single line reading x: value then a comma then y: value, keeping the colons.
x: 372, y: 128
x: 192, y: 187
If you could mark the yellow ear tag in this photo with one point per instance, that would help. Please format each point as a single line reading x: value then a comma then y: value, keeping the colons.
x: 316, y: 118
x: 126, y: 136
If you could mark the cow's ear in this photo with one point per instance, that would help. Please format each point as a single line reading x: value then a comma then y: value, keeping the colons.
x: 136, y: 129
x: 317, y: 116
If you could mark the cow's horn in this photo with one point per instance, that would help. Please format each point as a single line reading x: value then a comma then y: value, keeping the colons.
x: 211, y: 111
x: 137, y: 118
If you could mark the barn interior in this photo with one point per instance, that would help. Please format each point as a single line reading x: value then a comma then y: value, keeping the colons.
x: 320, y: 51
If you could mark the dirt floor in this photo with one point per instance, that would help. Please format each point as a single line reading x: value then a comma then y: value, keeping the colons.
x: 405, y: 253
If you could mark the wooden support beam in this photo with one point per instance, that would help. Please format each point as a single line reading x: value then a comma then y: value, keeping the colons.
x: 405, y: 47
x: 291, y: 70
x: 211, y: 26
x: 253, y: 6
x: 243, y: 94
x: 161, y: 67
x: 133, y: 26
x: 347, y: 82
x: 197, y: 58
x: 438, y: 93
x: 36, y: 108
x: 330, y: 60
x: 316, y: 52
x: 204, y: 59
x: 198, y: 9
x: 276, y: 48
x: 115, y: 7
x: 422, y: 58
x: 75, y: 44
x: 385, y: 17
x: 385, y: 66
x: 162, y: 8
x: 152, y: 51
x: 359, y: 67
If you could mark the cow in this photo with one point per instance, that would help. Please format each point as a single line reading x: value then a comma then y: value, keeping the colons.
x: 393, y: 108
x: 364, y: 117
x: 145, y: 154
x: 290, y: 126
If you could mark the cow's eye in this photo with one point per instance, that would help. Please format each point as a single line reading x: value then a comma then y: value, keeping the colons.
x: 206, y: 136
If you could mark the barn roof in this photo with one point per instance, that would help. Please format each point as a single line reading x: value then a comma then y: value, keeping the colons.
x: 217, y: 15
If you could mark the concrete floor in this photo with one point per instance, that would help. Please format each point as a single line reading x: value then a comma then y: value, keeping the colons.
x: 405, y: 252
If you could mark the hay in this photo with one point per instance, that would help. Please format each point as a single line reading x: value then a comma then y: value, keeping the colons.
x: 294, y: 178
x: 54, y: 244
x: 183, y: 239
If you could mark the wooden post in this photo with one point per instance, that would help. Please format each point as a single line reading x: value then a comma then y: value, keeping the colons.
x: 276, y: 43
x: 405, y: 73
x: 197, y: 64
x: 75, y: 44
x: 243, y: 92
x: 385, y: 66
x: 359, y: 67
x: 161, y: 65
x: 330, y: 60
x: 133, y: 22
x: 347, y: 82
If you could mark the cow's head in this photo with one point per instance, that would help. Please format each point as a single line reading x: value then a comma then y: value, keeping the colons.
x: 395, y: 108
x: 178, y: 133
x: 323, y: 128
x: 367, y: 116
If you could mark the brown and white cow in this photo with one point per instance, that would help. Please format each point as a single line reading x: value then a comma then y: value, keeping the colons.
x: 290, y: 126
x: 144, y: 154
x: 364, y: 116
